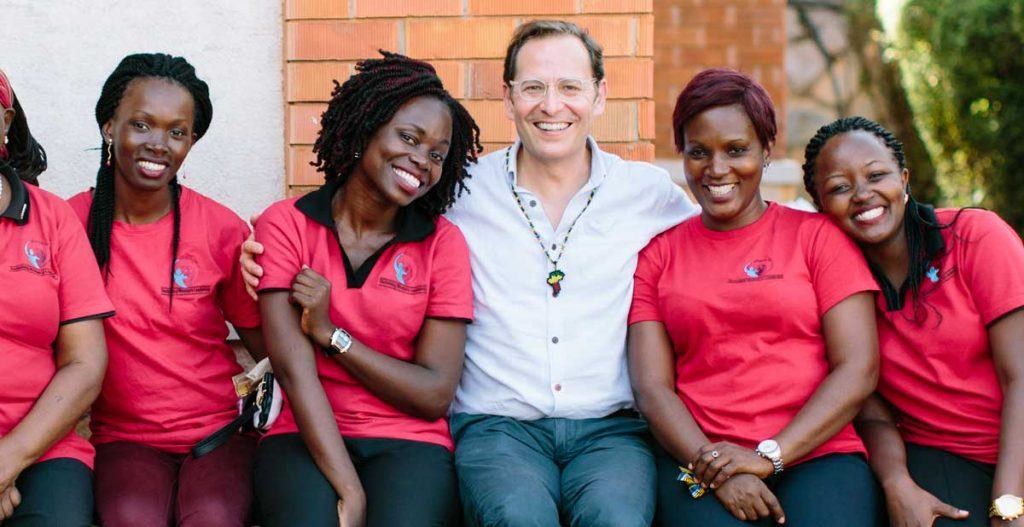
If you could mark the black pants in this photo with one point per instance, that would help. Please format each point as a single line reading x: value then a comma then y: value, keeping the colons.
x: 836, y: 490
x: 407, y: 483
x: 958, y: 481
x: 54, y: 493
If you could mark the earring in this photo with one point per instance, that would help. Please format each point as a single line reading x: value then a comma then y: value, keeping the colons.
x: 356, y: 155
x: 767, y: 162
x: 110, y: 154
x: 906, y: 198
x: 6, y: 139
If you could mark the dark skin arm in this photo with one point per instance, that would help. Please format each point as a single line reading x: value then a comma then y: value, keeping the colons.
x: 909, y: 505
x: 294, y: 360
x: 252, y: 338
x: 424, y: 387
x: 81, y: 360
x: 1006, y: 338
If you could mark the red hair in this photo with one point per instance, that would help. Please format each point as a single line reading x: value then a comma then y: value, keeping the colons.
x: 723, y: 87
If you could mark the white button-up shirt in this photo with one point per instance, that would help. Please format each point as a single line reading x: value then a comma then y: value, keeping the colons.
x: 530, y: 354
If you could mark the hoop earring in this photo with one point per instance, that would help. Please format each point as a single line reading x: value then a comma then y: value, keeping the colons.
x: 110, y: 154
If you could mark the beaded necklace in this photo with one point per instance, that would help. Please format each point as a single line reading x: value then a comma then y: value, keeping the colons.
x: 556, y: 275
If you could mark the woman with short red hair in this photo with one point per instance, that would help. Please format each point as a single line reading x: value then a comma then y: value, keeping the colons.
x: 752, y: 339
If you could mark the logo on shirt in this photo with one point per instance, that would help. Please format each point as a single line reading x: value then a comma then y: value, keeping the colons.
x: 186, y: 277
x: 933, y: 274
x: 36, y: 259
x: 404, y: 272
x: 757, y: 270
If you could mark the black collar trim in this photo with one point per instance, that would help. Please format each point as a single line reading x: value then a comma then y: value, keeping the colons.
x: 933, y: 246
x: 17, y: 210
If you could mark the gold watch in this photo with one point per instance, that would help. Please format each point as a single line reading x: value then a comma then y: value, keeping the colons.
x: 1007, y: 507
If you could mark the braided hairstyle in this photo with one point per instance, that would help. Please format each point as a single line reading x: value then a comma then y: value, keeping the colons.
x: 915, y: 225
x: 131, y: 68
x: 368, y: 100
x: 26, y: 158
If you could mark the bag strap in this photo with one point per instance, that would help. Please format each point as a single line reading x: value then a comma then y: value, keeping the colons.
x: 221, y: 436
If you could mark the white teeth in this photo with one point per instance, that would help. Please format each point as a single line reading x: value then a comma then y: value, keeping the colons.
x: 407, y: 177
x: 870, y: 214
x: 721, y: 190
x: 149, y: 165
x: 552, y: 127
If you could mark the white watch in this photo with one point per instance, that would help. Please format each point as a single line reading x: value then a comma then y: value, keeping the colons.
x: 1007, y: 507
x: 341, y: 341
x: 770, y: 450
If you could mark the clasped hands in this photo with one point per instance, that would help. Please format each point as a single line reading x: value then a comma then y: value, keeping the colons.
x: 736, y: 475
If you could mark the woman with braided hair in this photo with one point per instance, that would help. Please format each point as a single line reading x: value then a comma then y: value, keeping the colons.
x: 51, y: 339
x: 944, y: 430
x: 168, y: 257
x: 365, y: 295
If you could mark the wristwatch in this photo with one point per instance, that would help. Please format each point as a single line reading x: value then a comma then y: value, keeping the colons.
x: 770, y: 450
x: 341, y: 341
x: 1007, y: 507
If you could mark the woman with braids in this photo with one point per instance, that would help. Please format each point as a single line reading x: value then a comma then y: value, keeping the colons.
x: 946, y: 431
x: 752, y: 337
x: 365, y: 295
x: 51, y: 339
x: 168, y: 257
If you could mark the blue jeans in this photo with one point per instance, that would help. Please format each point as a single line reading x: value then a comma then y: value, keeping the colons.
x: 550, y: 472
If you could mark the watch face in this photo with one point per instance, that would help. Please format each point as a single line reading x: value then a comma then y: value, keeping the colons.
x: 769, y: 447
x: 1007, y: 505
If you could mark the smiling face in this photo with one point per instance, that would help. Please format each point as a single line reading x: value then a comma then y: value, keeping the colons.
x: 861, y: 187
x: 551, y: 128
x: 152, y: 133
x: 723, y: 160
x: 404, y: 159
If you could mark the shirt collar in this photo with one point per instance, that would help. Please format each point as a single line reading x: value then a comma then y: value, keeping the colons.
x: 413, y: 225
x: 17, y: 210
x: 598, y: 170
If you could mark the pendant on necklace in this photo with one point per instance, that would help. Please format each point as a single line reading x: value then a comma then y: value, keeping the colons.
x: 554, y: 278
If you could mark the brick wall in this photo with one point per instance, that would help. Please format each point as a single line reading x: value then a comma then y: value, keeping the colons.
x: 690, y: 35
x: 465, y: 40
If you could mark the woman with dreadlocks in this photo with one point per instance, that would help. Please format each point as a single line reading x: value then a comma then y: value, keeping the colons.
x: 945, y: 433
x: 366, y: 295
x: 51, y: 339
x: 168, y: 257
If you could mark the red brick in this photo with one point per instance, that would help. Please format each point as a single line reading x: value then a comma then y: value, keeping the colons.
x: 615, y: 33
x: 618, y: 123
x: 684, y: 36
x: 340, y: 40
x: 453, y: 75
x: 312, y: 81
x: 639, y: 151
x: 618, y: 6
x: 645, y: 36
x: 647, y: 119
x: 523, y: 7
x: 304, y: 123
x: 407, y: 8
x: 300, y: 172
x: 495, y: 126
x: 629, y: 78
x: 485, y: 79
x: 295, y: 9
x: 446, y: 38
x: 299, y: 191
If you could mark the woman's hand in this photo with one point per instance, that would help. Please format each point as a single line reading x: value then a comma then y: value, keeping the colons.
x: 10, y: 498
x: 717, y: 462
x: 352, y: 511
x: 11, y: 464
x: 313, y: 293
x: 911, y: 506
x: 251, y: 271
x: 748, y: 499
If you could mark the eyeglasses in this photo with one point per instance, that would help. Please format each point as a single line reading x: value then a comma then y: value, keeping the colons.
x: 568, y: 90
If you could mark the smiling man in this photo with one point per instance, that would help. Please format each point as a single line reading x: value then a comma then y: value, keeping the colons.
x: 543, y: 416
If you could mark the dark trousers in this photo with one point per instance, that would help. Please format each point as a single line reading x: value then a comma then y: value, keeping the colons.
x: 836, y: 490
x: 407, y: 483
x: 54, y: 493
x: 958, y: 481
x: 140, y: 486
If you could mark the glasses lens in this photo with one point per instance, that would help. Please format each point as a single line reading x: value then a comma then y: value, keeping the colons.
x: 571, y: 88
x: 532, y: 89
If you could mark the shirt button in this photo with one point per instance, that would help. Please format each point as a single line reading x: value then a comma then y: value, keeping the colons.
x: 533, y: 203
x: 554, y: 340
x: 558, y: 387
x: 554, y: 246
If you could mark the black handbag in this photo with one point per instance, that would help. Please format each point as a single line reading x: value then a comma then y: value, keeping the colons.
x: 259, y: 410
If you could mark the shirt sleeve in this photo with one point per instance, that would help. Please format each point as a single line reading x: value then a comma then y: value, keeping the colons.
x: 281, y: 260
x: 81, y: 291
x: 837, y: 267
x: 451, y: 286
x: 992, y: 264
x: 650, y: 265
x: 671, y: 205
x: 239, y: 308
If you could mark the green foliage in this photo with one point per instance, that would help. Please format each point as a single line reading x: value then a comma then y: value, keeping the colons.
x: 963, y: 63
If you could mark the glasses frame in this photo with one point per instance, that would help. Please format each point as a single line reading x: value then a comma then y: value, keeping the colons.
x: 514, y: 86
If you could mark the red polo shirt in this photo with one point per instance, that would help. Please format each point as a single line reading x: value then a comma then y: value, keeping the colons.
x: 743, y: 309
x: 48, y: 278
x: 424, y: 272
x: 937, y: 367
x: 168, y: 384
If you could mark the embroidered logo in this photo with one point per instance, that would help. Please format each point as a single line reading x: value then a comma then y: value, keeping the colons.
x: 933, y: 274
x: 186, y: 275
x: 757, y: 270
x: 404, y: 271
x: 36, y: 259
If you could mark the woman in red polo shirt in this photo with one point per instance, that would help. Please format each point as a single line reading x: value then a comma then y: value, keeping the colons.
x: 168, y: 255
x: 947, y: 440
x: 752, y: 337
x: 51, y: 339
x: 370, y: 363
